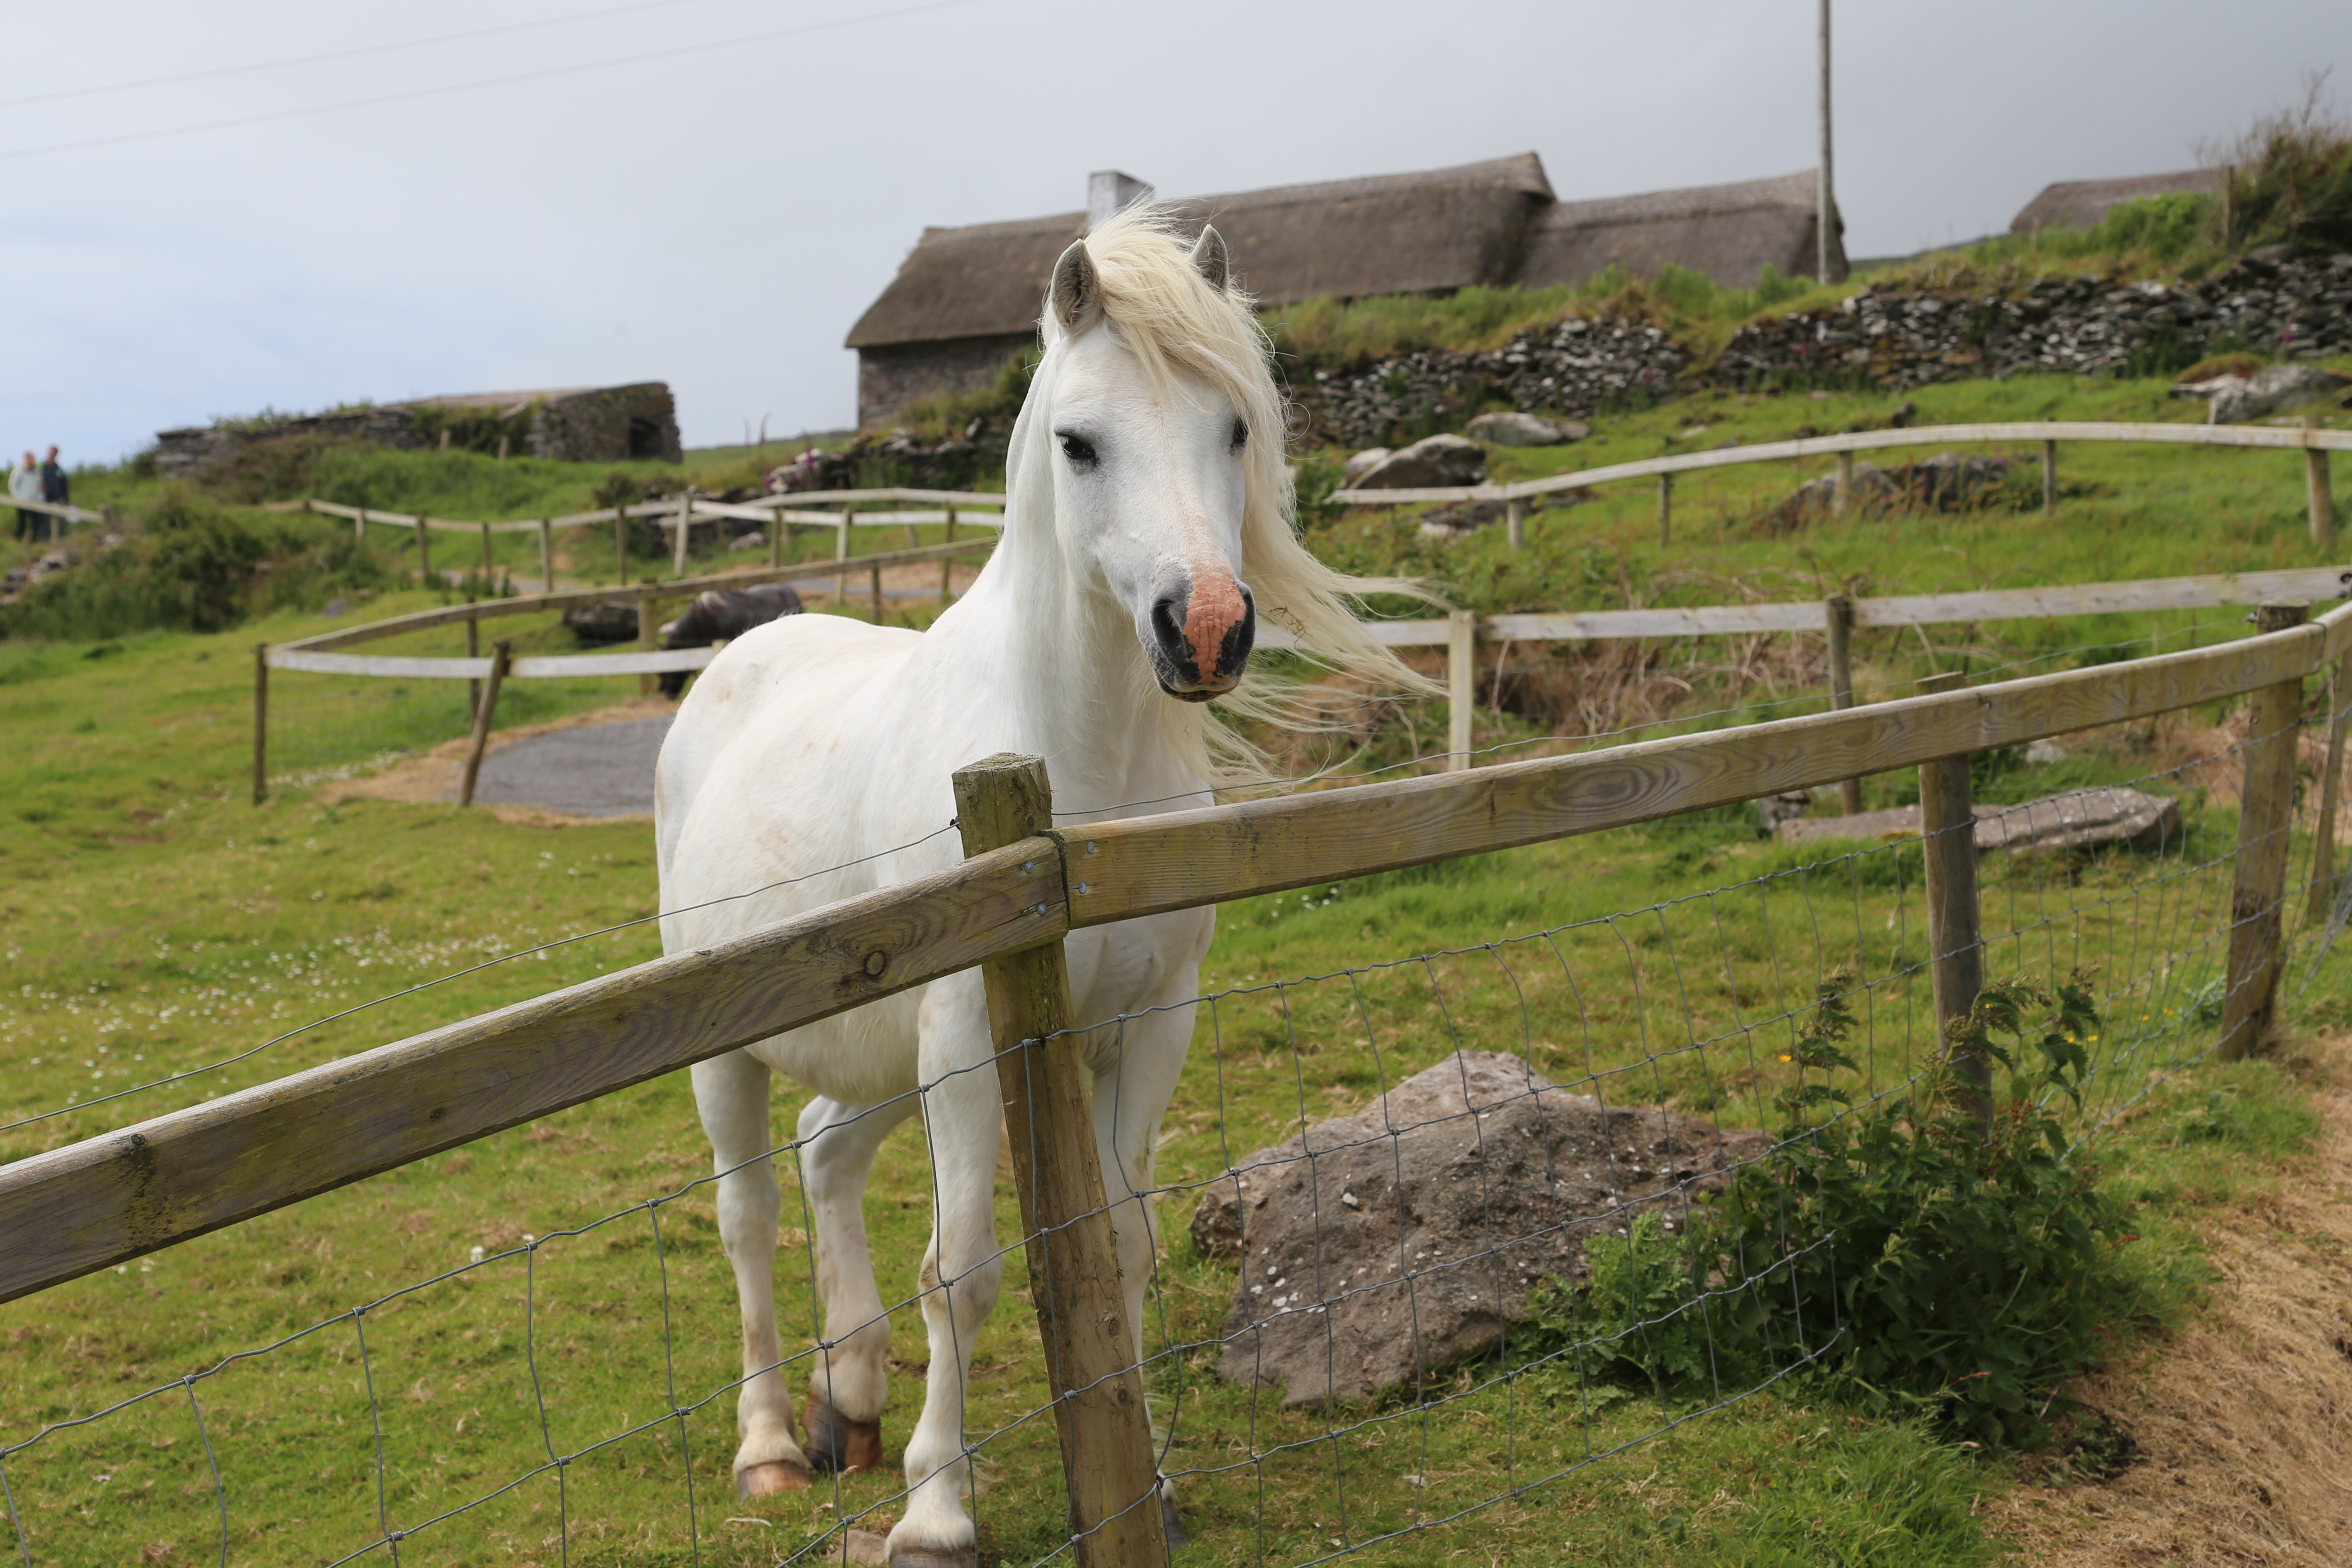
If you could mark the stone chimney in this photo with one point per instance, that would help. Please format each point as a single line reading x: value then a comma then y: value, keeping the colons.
x: 1107, y: 191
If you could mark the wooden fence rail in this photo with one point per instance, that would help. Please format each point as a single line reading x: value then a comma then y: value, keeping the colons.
x: 2313, y: 442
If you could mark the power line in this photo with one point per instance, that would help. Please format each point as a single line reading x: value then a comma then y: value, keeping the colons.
x: 550, y: 73
x: 359, y: 53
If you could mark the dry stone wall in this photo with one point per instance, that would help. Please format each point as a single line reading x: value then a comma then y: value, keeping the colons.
x: 1893, y: 340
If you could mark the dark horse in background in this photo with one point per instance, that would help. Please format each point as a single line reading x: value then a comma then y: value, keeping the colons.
x: 724, y: 614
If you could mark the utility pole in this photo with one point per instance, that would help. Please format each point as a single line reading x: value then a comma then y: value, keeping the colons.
x: 1825, y: 204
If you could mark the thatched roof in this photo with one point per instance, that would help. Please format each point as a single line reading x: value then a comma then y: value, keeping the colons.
x: 1727, y: 232
x: 984, y: 280
x: 2080, y: 204
x: 1391, y: 233
x: 1432, y: 232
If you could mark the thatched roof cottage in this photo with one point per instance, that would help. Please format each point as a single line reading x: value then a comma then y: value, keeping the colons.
x: 2080, y: 204
x: 965, y: 300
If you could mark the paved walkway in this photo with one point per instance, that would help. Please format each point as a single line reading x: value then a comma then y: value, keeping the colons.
x: 601, y: 770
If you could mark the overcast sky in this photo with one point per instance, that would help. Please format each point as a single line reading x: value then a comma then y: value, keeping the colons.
x: 669, y: 195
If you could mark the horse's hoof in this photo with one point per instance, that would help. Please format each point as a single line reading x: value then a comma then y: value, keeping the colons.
x: 1168, y: 1526
x: 768, y: 1479
x: 935, y: 1557
x: 834, y: 1443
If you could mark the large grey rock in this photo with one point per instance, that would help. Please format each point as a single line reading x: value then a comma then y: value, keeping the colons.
x: 1362, y: 462
x: 2273, y: 389
x: 1526, y: 430
x: 1401, y: 1239
x: 1436, y: 461
x: 2080, y: 819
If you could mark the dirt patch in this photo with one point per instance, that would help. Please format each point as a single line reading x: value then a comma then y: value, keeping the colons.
x: 434, y: 777
x: 2241, y: 1425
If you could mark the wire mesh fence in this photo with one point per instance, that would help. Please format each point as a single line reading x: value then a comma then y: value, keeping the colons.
x: 1413, y: 1213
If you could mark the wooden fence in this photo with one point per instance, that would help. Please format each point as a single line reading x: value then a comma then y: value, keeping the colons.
x: 95, y: 1204
x: 2314, y: 443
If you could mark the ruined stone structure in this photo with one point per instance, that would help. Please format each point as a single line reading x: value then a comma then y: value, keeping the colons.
x: 576, y: 424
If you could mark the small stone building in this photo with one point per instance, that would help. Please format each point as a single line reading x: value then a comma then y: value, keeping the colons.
x: 2080, y: 204
x: 572, y: 424
x: 965, y: 300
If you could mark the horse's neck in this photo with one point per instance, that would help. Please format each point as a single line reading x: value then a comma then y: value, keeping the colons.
x: 1073, y: 670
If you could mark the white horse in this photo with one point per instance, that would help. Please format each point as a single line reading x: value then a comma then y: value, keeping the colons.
x: 1146, y: 525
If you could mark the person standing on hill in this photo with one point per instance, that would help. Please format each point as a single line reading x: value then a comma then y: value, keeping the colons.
x: 56, y: 488
x: 25, y: 484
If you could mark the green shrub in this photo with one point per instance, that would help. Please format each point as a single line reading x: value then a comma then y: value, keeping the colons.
x: 2290, y: 178
x: 192, y: 565
x: 1952, y: 1266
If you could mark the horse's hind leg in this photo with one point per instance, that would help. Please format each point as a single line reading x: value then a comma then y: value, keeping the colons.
x: 731, y: 1093
x: 848, y: 1385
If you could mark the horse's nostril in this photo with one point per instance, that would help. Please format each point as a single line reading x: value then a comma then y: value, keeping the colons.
x: 1168, y: 620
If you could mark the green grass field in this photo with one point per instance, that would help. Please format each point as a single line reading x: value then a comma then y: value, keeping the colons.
x: 153, y: 923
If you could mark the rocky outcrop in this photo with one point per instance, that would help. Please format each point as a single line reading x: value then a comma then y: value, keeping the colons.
x: 1435, y: 461
x: 2080, y: 819
x: 1392, y: 1243
x: 1526, y: 430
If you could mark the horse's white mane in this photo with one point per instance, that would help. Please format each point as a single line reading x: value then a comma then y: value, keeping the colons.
x: 1177, y: 326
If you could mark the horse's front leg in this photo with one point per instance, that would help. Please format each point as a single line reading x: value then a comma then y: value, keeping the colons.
x: 1140, y: 1062
x: 731, y: 1093
x: 847, y: 1382
x: 963, y: 1110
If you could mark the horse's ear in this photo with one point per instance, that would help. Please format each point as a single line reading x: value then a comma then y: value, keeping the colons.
x: 1077, y: 291
x: 1209, y: 259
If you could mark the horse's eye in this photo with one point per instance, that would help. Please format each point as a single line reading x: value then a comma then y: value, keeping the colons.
x: 1241, y: 434
x: 1079, y: 451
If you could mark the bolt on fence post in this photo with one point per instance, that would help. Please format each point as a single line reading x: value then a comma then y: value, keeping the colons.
x: 1461, y: 687
x: 2265, y: 813
x: 2049, y: 477
x: 260, y: 722
x: 502, y: 654
x: 1074, y: 1274
x: 2323, y: 849
x: 1515, y: 521
x: 1947, y: 832
x: 1837, y: 612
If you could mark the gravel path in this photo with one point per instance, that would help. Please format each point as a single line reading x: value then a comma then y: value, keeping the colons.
x: 601, y: 770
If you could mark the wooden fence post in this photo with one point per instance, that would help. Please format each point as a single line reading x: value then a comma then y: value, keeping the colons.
x: 1074, y: 1275
x: 2049, y: 477
x: 841, y: 553
x: 1842, y: 488
x: 2265, y: 814
x: 2315, y: 487
x: 473, y: 650
x: 489, y: 563
x: 547, y: 551
x: 1461, y: 687
x: 776, y: 529
x: 621, y: 546
x: 1838, y: 614
x: 2323, y: 849
x: 876, y: 585
x: 260, y: 722
x: 678, y: 545
x: 1666, y: 510
x: 946, y: 568
x: 648, y: 639
x: 1947, y: 832
x: 502, y: 654
x: 1515, y: 522
x: 424, y: 550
